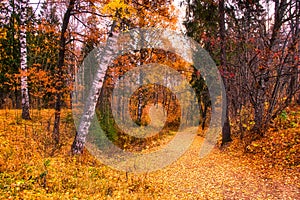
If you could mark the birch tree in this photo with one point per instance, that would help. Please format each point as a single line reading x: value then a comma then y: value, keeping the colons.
x: 92, y: 99
x: 23, y: 4
x: 74, y: 9
x: 120, y: 12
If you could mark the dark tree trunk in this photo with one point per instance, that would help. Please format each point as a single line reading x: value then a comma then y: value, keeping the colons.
x: 140, y: 95
x: 259, y: 110
x: 226, y: 132
x: 204, y: 114
x: 60, y: 65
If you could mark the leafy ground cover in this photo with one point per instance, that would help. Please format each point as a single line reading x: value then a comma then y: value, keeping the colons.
x: 32, y: 167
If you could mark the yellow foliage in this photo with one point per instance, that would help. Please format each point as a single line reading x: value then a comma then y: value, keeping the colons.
x: 3, y: 33
x: 119, y: 9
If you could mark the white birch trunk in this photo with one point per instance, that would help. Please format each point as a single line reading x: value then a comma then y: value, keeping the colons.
x: 23, y: 59
x: 90, y: 105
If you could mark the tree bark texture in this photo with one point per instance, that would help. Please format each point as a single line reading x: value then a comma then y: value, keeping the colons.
x: 90, y: 105
x: 23, y: 60
x: 60, y: 65
x: 226, y: 132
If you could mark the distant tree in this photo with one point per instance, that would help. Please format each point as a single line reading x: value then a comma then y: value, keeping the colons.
x: 10, y: 52
x: 42, y: 40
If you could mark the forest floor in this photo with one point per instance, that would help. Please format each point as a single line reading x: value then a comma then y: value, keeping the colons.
x: 31, y: 169
x: 224, y: 174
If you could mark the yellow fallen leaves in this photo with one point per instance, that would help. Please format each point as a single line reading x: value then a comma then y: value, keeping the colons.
x: 31, y: 168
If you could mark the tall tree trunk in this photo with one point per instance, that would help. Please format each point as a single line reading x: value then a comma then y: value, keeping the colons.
x: 91, y: 101
x: 140, y: 108
x: 226, y: 132
x: 60, y: 65
x: 140, y: 94
x: 23, y: 58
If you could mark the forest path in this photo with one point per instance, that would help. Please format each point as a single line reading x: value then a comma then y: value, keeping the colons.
x: 221, y: 175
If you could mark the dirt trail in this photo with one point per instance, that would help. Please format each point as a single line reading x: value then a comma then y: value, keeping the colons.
x: 220, y: 175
